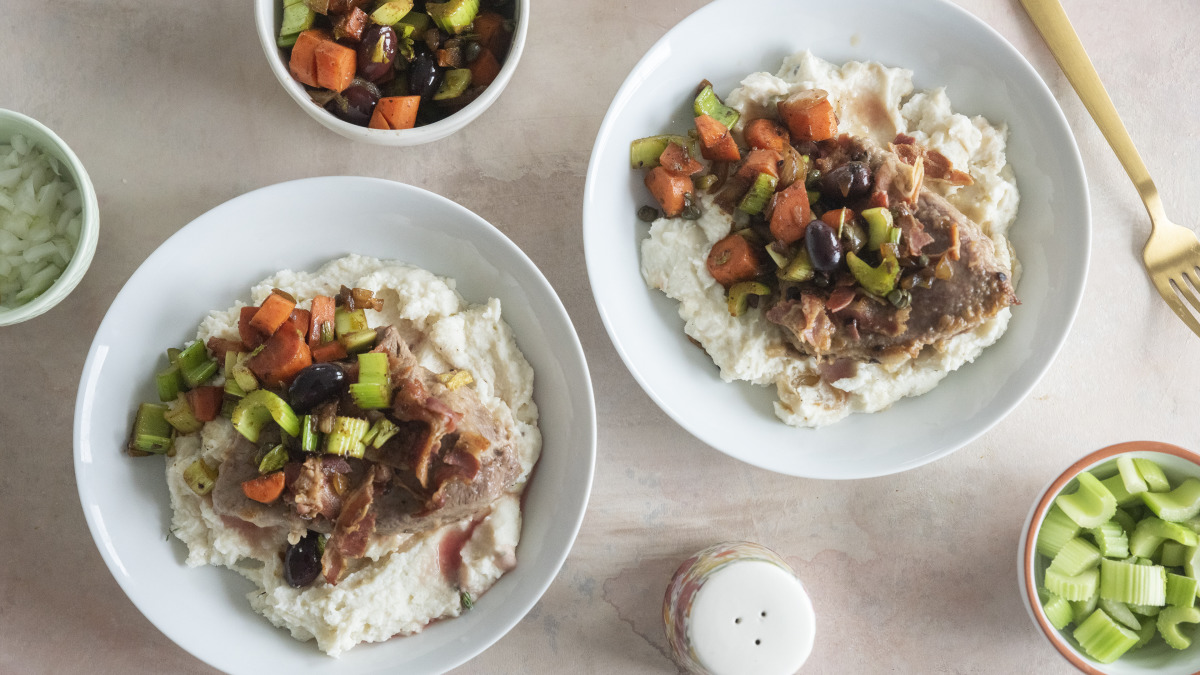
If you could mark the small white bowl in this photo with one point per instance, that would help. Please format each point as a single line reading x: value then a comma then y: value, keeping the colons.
x: 1156, y: 658
x: 266, y: 19
x: 11, y: 124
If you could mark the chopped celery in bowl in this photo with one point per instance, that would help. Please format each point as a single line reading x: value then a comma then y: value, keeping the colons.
x: 1109, y: 561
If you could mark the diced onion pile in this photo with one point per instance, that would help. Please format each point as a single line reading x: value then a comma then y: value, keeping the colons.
x: 40, y: 219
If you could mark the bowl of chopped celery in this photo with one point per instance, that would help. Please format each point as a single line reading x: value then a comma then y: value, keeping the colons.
x: 1109, y: 562
x: 49, y: 221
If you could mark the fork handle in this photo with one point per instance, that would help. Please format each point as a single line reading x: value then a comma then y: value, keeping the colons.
x: 1052, y: 22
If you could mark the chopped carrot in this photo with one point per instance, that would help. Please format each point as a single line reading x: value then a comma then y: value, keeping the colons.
x: 250, y: 335
x: 715, y: 142
x: 270, y: 316
x: 669, y: 189
x: 303, y: 63
x: 835, y: 218
x: 791, y: 214
x: 809, y: 115
x: 284, y: 355
x: 321, y: 314
x: 732, y: 260
x: 676, y: 160
x: 484, y: 69
x: 206, y: 402
x: 265, y: 489
x: 330, y: 351
x: 395, y: 112
x: 765, y: 134
x: 493, y: 36
x: 220, y: 346
x: 335, y: 65
x: 760, y: 161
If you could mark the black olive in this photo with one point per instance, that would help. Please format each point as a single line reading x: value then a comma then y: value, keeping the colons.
x: 356, y: 103
x: 848, y: 181
x: 316, y: 384
x: 424, y: 76
x: 377, y: 53
x: 824, y: 249
x: 302, y: 561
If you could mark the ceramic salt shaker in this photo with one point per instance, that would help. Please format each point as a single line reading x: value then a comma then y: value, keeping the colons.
x: 737, y: 608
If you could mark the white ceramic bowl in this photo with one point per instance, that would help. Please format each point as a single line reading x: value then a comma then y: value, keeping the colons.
x: 12, y: 123
x: 983, y: 74
x: 212, y: 262
x: 1156, y: 658
x: 266, y: 20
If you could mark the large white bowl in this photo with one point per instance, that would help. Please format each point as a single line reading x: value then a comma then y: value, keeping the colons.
x: 12, y: 123
x: 943, y: 45
x: 266, y: 20
x: 212, y: 262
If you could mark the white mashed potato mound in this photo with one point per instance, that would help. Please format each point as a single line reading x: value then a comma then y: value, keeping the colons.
x: 402, y: 588
x: 871, y: 101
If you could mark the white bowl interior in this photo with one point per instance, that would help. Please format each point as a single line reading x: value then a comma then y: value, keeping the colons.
x: 126, y: 501
x: 266, y: 19
x: 985, y: 76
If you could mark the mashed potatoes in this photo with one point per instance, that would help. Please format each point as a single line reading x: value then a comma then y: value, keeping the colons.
x: 875, y: 102
x: 403, y: 586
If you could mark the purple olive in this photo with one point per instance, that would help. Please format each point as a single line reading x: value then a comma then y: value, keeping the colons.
x: 824, y: 249
x: 302, y: 561
x: 424, y: 76
x: 356, y: 103
x: 315, y: 385
x: 848, y: 181
x: 377, y: 53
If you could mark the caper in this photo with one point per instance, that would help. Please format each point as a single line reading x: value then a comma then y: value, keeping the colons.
x: 900, y: 298
x: 472, y: 51
x: 647, y: 214
x: 814, y: 177
x: 691, y: 210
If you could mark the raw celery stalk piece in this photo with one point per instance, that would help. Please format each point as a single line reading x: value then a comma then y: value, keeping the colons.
x: 1117, y: 487
x: 1058, y: 611
x: 1151, y: 532
x: 1192, y: 524
x: 1153, y: 474
x: 1131, y: 583
x: 644, y: 152
x: 259, y: 407
x: 1173, y: 554
x: 151, y: 431
x: 1056, y: 530
x: 707, y: 103
x: 1074, y: 588
x: 1091, y: 504
x: 200, y: 477
x: 1130, y: 476
x: 453, y: 16
x: 1103, y: 639
x: 1147, y: 632
x: 1126, y: 521
x: 1082, y: 609
x: 1191, y: 562
x: 1143, y: 610
x: 1120, y: 612
x: 1168, y: 625
x: 1112, y: 541
x: 1075, y: 556
x: 1181, y: 590
x: 1178, y: 505
x: 760, y: 193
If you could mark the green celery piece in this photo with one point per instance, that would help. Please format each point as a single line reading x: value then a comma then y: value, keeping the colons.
x: 1117, y: 487
x: 169, y: 383
x: 390, y: 13
x: 373, y: 368
x: 1091, y: 504
x: 1082, y: 609
x: 1151, y: 532
x: 1056, y: 530
x: 875, y: 280
x: 151, y: 432
x: 310, y: 438
x: 1126, y: 521
x: 297, y: 18
x: 1120, y: 612
x: 359, y: 341
x: 179, y: 415
x: 242, y: 374
x: 1103, y: 639
x: 273, y: 460
x: 760, y: 193
x: 231, y: 384
x: 195, y: 364
x: 201, y: 374
x: 1173, y: 554
x: 707, y: 103
x: 1058, y: 611
x: 346, y: 437
x: 1144, y: 610
x: 1192, y: 524
x: 1111, y: 539
x: 383, y: 430
x: 200, y: 477
x: 1181, y: 591
x: 1075, y: 556
x: 1147, y: 632
x: 259, y: 407
x: 879, y: 224
x: 1074, y: 588
x: 1180, y: 504
x: 286, y: 41
x: 801, y: 269
x: 373, y: 391
x: 453, y: 16
x: 454, y: 84
x: 1130, y: 476
x: 1168, y: 625
x: 419, y: 21
x: 173, y: 355
x: 1131, y: 583
x: 645, y: 152
x: 371, y: 396
x: 346, y: 322
x: 738, y: 299
x: 1152, y: 474
x: 1191, y: 562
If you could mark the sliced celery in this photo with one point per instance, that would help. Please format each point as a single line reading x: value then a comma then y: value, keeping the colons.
x: 1126, y: 521
x: 169, y: 383
x: 370, y: 396
x: 644, y: 153
x: 374, y: 388
x: 1117, y: 487
x: 1121, y: 613
x: 1147, y: 632
x: 179, y: 415
x: 1091, y: 504
x: 1151, y: 532
x: 1168, y: 625
x: 1111, y: 539
x: 346, y: 438
x: 1057, y: 611
x: 1192, y: 524
x: 1152, y: 474
x: 1144, y: 610
x: 1082, y: 609
x: 1075, y: 556
x: 1173, y: 554
x: 759, y: 194
x: 310, y: 438
x: 274, y: 460
x: 195, y: 364
x: 346, y: 322
x: 1191, y: 562
x: 707, y: 103
x: 151, y: 432
x: 358, y: 341
x: 1078, y: 587
x: 1132, y: 479
x: 1130, y: 583
x: 242, y: 374
x: 1103, y: 639
x: 1179, y: 504
x: 1056, y: 530
x: 259, y: 407
x: 200, y: 477
x: 381, y: 431
x: 1181, y: 591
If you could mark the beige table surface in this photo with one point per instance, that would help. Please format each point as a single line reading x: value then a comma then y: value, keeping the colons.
x: 172, y: 109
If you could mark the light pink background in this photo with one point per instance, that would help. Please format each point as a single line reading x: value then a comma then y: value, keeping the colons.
x: 173, y: 111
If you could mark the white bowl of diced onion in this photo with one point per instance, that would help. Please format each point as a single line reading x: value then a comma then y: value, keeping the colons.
x: 49, y: 220
x: 1177, y: 465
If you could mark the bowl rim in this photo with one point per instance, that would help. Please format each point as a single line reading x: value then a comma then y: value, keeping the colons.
x: 1029, y: 534
x: 89, y: 232
x: 265, y: 14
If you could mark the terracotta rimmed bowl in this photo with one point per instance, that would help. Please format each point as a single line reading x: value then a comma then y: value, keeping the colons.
x: 1157, y: 657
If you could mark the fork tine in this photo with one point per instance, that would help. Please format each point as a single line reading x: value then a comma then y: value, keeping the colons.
x: 1170, y: 292
x: 1188, y: 290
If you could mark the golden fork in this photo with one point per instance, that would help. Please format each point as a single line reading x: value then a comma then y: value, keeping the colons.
x: 1172, y: 253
